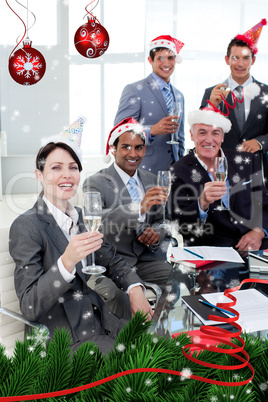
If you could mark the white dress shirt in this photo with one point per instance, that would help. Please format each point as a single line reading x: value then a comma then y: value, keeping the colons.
x: 68, y: 225
x: 125, y: 177
x: 233, y: 84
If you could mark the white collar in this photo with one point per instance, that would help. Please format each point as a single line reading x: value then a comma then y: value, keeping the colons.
x: 233, y: 84
x: 203, y: 163
x: 64, y: 221
x: 160, y: 82
x: 124, y: 176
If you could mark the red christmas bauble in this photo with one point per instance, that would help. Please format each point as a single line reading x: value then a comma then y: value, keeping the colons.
x: 27, y: 65
x: 91, y: 39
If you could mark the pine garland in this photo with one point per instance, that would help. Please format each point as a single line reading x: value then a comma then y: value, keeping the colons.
x: 37, y: 367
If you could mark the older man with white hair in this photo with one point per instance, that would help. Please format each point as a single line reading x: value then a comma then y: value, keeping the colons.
x: 241, y: 220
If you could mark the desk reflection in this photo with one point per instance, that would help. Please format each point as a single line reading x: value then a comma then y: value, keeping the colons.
x: 171, y: 315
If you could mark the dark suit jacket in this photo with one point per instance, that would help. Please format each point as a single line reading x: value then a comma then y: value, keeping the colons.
x: 248, y: 201
x: 144, y: 101
x: 120, y: 220
x: 256, y: 125
x: 36, y: 243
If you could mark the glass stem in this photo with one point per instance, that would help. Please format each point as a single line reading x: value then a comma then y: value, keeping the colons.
x: 164, y: 212
x: 93, y: 258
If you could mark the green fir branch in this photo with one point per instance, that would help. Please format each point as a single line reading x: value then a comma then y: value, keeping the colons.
x: 5, y: 363
x: 23, y: 370
x: 86, y: 363
x: 33, y: 371
x: 57, y: 368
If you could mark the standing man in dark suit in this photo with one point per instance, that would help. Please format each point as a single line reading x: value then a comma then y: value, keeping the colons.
x: 131, y: 212
x: 150, y: 102
x: 249, y: 130
x: 196, y: 193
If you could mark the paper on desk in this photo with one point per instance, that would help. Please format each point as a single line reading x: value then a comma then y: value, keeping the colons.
x: 251, y: 304
x: 227, y: 254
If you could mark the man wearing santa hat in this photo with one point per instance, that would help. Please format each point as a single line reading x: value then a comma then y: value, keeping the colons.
x: 151, y: 102
x: 249, y: 118
x: 242, y: 220
x: 132, y: 206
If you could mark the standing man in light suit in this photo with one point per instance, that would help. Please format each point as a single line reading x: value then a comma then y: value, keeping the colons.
x: 150, y: 104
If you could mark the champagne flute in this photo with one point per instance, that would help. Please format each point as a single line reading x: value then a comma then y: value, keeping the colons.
x: 221, y: 171
x: 164, y: 180
x: 92, y: 207
x: 175, y: 110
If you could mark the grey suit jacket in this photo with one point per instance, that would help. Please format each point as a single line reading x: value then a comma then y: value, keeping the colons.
x: 144, y: 101
x: 120, y: 219
x: 256, y: 125
x: 36, y: 243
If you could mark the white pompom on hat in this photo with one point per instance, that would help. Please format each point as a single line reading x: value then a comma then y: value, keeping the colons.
x: 128, y: 124
x: 209, y: 117
x: 168, y: 42
x: 71, y: 136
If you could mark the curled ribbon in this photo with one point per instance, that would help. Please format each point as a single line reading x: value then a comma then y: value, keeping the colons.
x: 227, y: 105
x: 25, y: 29
x: 221, y: 335
x: 89, y: 12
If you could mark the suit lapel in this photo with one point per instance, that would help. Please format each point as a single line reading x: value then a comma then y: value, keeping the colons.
x: 147, y: 183
x: 123, y: 194
x: 254, y: 107
x: 55, y: 233
x: 157, y: 93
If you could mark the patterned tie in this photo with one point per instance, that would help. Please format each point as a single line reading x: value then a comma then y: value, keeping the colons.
x: 239, y: 108
x: 133, y: 191
x: 168, y: 98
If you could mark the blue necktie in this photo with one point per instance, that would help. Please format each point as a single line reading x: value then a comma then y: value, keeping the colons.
x: 133, y: 191
x: 168, y: 98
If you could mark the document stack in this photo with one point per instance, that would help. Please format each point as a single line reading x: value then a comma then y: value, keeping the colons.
x: 258, y: 265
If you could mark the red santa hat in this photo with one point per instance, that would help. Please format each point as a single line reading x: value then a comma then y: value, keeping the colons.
x: 209, y: 117
x: 128, y: 124
x: 251, y: 37
x: 170, y: 43
x: 71, y: 136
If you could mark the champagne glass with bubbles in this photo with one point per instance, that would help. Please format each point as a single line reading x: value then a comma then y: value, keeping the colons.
x: 175, y: 111
x: 92, y: 208
x: 221, y: 172
x: 164, y: 180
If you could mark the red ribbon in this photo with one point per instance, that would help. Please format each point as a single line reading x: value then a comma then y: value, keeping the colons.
x: 24, y: 28
x: 227, y: 104
x: 223, y: 336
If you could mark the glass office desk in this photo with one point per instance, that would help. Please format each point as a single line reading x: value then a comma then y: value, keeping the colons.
x: 171, y: 314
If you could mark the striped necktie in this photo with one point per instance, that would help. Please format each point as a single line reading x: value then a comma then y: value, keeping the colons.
x: 133, y: 191
x: 168, y: 98
x: 240, y: 108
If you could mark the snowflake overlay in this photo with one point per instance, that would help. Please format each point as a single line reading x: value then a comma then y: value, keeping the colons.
x: 28, y: 66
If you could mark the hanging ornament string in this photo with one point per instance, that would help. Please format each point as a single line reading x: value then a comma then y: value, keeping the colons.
x: 227, y: 105
x: 34, y: 17
x: 25, y: 29
x: 90, y: 12
x: 27, y: 24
